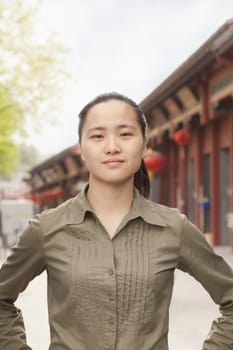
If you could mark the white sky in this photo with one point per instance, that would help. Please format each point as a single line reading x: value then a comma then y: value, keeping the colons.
x: 129, y: 46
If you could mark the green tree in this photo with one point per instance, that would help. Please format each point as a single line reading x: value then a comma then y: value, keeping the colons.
x: 9, y: 123
x: 32, y: 74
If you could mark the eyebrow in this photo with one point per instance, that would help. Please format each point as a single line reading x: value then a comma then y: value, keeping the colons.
x: 120, y: 126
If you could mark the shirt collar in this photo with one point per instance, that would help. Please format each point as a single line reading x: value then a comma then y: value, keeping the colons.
x: 147, y: 210
x: 80, y: 206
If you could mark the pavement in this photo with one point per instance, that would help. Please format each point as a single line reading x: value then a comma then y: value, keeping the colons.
x: 191, y: 312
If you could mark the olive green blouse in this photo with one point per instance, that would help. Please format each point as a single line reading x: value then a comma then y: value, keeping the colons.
x: 112, y: 294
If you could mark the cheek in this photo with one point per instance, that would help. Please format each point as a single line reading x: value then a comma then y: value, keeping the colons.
x: 89, y: 156
x: 85, y: 157
x: 84, y: 153
x: 136, y: 157
x: 82, y: 156
x: 138, y: 151
x: 85, y: 149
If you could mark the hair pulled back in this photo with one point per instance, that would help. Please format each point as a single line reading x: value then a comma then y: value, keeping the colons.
x: 141, y: 178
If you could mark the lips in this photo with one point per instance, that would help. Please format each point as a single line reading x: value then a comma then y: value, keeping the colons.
x: 113, y: 161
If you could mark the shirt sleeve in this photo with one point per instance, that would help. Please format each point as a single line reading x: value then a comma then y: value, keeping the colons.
x: 24, y: 263
x: 199, y: 260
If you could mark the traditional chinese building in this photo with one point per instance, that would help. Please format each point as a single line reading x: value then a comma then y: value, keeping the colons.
x: 57, y: 178
x: 190, y: 117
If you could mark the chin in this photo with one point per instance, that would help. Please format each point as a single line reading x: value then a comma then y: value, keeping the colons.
x: 115, y: 180
x: 122, y: 181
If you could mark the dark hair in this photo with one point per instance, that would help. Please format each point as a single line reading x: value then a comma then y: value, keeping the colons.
x: 141, y: 177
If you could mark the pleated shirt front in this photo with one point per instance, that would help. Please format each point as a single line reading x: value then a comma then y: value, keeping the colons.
x: 111, y: 294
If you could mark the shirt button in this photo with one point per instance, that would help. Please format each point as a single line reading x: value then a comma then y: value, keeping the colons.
x: 111, y: 322
x: 111, y: 298
x: 111, y: 272
x: 109, y: 347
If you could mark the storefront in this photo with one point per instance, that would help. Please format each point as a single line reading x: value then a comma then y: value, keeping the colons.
x: 190, y: 116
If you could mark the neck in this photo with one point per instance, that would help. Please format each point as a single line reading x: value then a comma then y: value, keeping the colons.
x: 109, y: 197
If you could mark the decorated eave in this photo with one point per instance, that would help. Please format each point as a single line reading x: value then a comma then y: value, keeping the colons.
x: 51, y: 173
x: 200, y: 87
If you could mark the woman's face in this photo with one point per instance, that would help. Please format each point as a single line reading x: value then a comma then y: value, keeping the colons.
x: 112, y: 144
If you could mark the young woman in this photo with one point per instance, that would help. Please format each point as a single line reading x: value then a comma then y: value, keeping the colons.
x: 110, y: 253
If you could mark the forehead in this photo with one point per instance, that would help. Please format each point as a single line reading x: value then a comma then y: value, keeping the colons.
x: 110, y: 112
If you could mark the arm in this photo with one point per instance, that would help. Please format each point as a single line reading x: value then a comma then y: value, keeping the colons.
x: 199, y: 260
x: 25, y: 262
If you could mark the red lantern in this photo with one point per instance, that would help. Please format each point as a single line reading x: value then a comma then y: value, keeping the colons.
x: 155, y: 161
x: 182, y: 137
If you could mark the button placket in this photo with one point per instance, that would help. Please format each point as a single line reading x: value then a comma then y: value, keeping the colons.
x: 110, y: 298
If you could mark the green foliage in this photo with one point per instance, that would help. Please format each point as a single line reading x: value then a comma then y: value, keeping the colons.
x: 11, y: 117
x: 9, y: 122
x: 31, y: 74
x: 31, y: 61
x: 8, y: 156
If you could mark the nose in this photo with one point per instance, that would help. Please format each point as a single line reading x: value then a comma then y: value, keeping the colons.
x: 112, y: 145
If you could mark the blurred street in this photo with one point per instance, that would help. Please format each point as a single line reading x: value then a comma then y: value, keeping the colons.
x: 191, y: 313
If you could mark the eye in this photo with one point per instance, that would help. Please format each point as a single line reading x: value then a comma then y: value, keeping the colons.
x: 97, y: 136
x: 126, y: 134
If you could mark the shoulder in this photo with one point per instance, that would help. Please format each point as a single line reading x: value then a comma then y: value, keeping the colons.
x: 52, y: 220
x: 59, y: 212
x: 162, y: 209
x: 156, y: 213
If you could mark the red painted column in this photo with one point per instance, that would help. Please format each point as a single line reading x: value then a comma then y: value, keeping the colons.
x: 198, y: 174
x: 215, y: 183
x: 203, y: 91
x: 173, y: 175
x: 231, y: 170
x: 165, y: 178
x: 183, y: 178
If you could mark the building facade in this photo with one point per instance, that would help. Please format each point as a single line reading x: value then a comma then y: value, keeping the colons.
x: 190, y: 117
x: 57, y: 179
